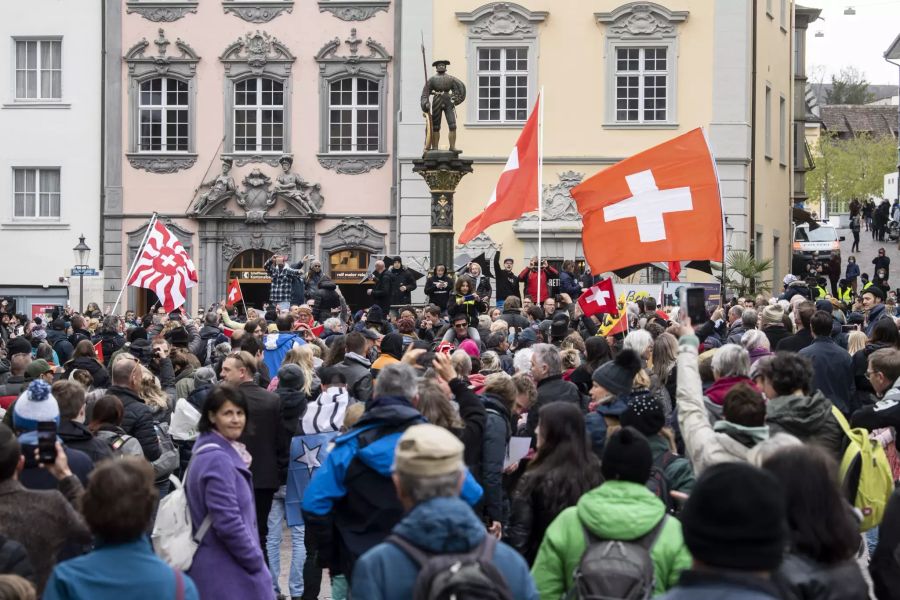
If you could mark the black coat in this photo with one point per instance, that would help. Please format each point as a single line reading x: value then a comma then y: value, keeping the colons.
x: 381, y: 292
x: 266, y: 438
x: 95, y: 368
x: 551, y: 389
x: 507, y: 281
x: 472, y: 413
x: 514, y: 318
x: 796, y: 342
x: 76, y: 435
x: 885, y: 563
x: 138, y: 421
x: 776, y: 333
x: 328, y: 298
x: 832, y: 372
x: 799, y: 577
x: 459, y: 306
x: 402, y: 277
x: 498, y: 428
x: 14, y: 559
x: 438, y: 296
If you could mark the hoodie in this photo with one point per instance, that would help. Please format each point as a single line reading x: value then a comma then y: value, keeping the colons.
x: 808, y: 418
x: 276, y: 346
x: 616, y: 510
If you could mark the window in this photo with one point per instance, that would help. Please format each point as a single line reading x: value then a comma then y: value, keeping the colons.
x: 162, y: 100
x: 768, y: 123
x: 353, y: 115
x: 782, y: 131
x: 641, y: 66
x: 501, y: 51
x: 259, y: 115
x: 163, y: 106
x: 257, y: 99
x: 36, y: 193
x: 641, y: 85
x: 769, y: 9
x: 38, y: 69
x: 502, y: 84
x: 782, y: 14
x: 352, y: 86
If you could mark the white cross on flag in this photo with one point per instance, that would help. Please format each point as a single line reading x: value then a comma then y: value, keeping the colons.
x: 662, y: 205
x: 165, y: 268
x: 234, y: 293
x: 600, y: 298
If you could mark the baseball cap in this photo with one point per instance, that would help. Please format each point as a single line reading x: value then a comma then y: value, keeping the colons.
x: 428, y: 450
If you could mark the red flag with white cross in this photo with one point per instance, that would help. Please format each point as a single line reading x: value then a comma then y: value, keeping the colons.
x: 600, y: 298
x: 660, y: 205
x: 234, y: 293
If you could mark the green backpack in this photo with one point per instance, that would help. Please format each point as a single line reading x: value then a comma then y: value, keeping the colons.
x: 865, y: 473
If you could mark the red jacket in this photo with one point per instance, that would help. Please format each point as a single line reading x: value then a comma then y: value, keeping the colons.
x: 530, y: 278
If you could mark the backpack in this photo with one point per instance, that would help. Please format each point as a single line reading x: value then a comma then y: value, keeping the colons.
x: 468, y: 576
x: 121, y: 444
x: 168, y: 459
x: 865, y: 473
x: 658, y: 484
x: 171, y: 537
x: 616, y: 569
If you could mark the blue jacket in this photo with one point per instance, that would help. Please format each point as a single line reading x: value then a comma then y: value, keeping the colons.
x: 832, y: 372
x: 852, y: 270
x: 114, y: 571
x: 697, y: 585
x: 437, y: 526
x: 276, y: 346
x: 595, y: 422
x: 876, y: 314
x: 568, y: 284
x: 352, y: 491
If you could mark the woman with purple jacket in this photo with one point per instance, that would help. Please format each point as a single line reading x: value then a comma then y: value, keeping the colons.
x: 219, y: 486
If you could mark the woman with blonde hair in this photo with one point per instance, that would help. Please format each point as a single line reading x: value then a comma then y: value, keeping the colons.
x: 856, y: 341
x: 152, y: 394
x: 303, y: 357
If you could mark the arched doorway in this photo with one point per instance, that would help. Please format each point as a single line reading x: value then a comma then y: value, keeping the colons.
x: 347, y: 268
x: 247, y: 268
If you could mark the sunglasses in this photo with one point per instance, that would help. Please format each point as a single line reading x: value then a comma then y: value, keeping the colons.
x: 460, y: 326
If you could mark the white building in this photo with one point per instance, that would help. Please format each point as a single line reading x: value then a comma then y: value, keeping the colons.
x: 890, y: 186
x: 50, y: 115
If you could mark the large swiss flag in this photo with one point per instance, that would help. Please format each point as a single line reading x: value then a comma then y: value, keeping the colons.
x: 660, y: 205
x: 600, y: 298
x: 517, y: 189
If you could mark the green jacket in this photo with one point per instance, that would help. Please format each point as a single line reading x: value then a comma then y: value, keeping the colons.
x: 679, y: 474
x: 618, y: 510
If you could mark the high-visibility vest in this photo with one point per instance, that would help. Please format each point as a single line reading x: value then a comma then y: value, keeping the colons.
x: 820, y: 292
x: 867, y: 286
x: 845, y: 295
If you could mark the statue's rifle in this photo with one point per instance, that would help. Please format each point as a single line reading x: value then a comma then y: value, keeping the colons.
x: 205, y: 174
x: 425, y: 113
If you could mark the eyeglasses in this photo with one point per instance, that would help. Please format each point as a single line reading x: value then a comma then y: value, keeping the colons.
x: 460, y: 326
x: 869, y: 373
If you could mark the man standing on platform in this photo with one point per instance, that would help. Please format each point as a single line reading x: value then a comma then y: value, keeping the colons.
x: 282, y: 276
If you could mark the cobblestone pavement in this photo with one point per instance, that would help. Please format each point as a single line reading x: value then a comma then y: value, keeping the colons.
x: 868, y: 249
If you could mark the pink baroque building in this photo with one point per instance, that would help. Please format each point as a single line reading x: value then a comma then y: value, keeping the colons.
x: 251, y: 128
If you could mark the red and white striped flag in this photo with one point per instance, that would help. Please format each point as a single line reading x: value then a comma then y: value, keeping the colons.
x: 165, y: 268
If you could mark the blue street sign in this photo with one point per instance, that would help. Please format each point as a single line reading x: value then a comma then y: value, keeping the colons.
x: 86, y: 272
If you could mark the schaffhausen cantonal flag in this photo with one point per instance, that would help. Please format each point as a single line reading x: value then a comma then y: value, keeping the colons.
x: 165, y: 268
x: 660, y: 205
x: 517, y: 189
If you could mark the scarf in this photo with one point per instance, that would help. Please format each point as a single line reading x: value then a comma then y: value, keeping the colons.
x: 240, y: 448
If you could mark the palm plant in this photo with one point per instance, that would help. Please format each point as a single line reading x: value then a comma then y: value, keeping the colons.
x: 744, y: 273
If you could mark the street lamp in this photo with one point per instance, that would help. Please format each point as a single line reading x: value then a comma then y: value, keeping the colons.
x: 82, y: 254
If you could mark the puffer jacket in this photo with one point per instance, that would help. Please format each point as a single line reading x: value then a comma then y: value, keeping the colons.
x: 514, y: 318
x: 552, y: 389
x: 808, y: 418
x: 138, y: 421
x: 802, y: 578
x: 327, y: 299
x: 705, y: 444
x: 94, y: 367
x: 616, y: 510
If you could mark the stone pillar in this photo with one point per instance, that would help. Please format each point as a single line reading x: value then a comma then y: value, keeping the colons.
x: 442, y: 171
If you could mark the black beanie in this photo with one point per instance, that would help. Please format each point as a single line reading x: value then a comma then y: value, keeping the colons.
x: 290, y: 376
x: 138, y: 333
x: 617, y: 376
x: 627, y: 457
x: 18, y: 345
x: 645, y: 413
x: 735, y: 518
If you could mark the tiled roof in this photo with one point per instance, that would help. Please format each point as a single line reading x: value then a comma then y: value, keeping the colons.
x: 850, y: 119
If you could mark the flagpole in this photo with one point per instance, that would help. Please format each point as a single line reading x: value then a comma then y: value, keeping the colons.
x: 540, y: 189
x: 137, y: 256
x: 244, y: 302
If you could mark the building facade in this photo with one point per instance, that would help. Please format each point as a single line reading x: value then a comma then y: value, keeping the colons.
x: 50, y: 110
x: 252, y: 128
x: 619, y: 77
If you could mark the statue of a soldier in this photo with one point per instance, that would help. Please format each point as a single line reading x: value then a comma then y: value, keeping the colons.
x: 446, y: 93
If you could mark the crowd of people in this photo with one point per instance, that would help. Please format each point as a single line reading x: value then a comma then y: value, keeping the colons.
x: 469, y: 446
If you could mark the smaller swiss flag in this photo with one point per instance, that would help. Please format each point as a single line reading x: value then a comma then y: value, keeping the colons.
x: 98, y: 349
x: 600, y: 298
x: 234, y: 293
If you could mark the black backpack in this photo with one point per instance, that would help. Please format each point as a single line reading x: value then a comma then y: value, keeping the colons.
x: 658, y: 484
x: 468, y: 576
x: 616, y: 569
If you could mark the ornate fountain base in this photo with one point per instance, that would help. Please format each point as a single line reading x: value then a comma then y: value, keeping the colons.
x: 442, y: 171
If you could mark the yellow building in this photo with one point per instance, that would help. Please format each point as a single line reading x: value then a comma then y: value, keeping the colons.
x: 618, y: 79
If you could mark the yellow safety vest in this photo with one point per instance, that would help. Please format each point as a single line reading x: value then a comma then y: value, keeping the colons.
x: 820, y: 292
x: 845, y: 295
x: 867, y: 286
